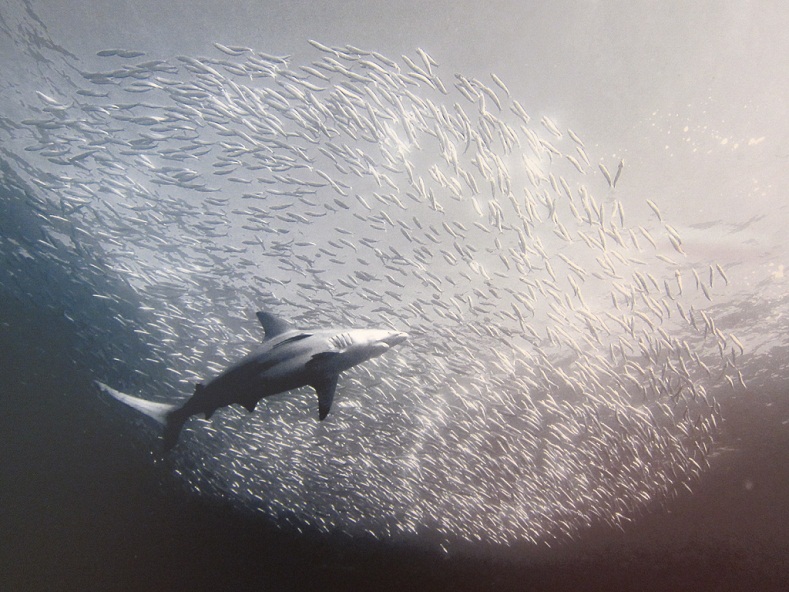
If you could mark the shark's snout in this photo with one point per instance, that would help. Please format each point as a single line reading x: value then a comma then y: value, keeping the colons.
x: 395, y: 339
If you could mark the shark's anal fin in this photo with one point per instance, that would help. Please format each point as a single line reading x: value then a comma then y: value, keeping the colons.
x: 325, y: 389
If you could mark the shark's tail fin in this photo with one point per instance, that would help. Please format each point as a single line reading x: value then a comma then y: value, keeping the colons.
x: 167, y: 415
x: 172, y: 429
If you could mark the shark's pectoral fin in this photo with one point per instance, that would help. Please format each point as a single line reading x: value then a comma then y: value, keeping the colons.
x: 321, y: 365
x: 325, y: 389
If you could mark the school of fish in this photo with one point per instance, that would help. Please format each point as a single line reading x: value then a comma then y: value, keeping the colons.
x: 563, y: 356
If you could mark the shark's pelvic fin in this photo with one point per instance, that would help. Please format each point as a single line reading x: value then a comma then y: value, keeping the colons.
x: 249, y: 405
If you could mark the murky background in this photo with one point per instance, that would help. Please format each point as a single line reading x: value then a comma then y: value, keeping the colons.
x: 576, y: 211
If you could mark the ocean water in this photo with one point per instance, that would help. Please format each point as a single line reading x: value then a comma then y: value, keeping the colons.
x: 576, y: 212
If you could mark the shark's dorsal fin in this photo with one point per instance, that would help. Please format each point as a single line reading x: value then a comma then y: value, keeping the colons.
x: 325, y: 389
x: 273, y: 326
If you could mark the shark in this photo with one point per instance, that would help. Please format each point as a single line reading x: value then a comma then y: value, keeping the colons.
x: 287, y: 359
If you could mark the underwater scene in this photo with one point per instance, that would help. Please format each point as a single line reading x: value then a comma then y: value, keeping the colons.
x: 353, y: 295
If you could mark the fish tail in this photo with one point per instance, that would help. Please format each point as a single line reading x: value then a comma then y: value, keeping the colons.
x: 170, y: 416
x: 176, y: 418
x: 172, y: 428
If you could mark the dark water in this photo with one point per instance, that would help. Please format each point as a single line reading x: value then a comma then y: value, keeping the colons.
x: 82, y: 510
